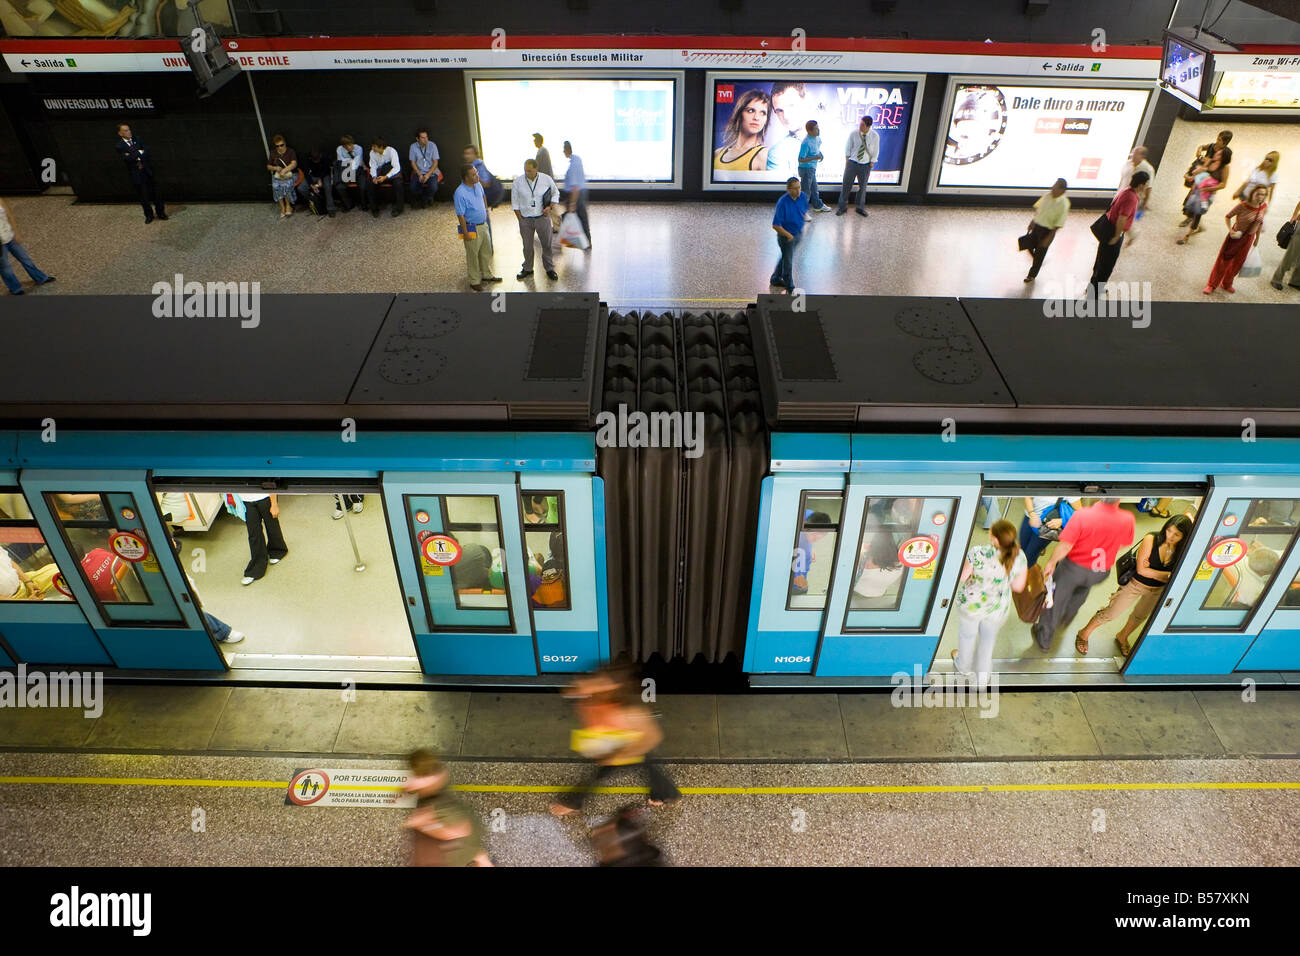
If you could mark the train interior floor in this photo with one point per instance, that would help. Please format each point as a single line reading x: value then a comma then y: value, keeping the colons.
x: 666, y: 254
x: 313, y: 610
x: 1182, y: 777
x: 1016, y: 650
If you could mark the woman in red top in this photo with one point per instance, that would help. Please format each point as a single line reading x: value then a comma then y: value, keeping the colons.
x: 1240, y: 239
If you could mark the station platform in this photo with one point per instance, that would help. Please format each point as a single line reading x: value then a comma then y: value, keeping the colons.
x: 1160, y: 778
x: 754, y: 727
x: 658, y: 255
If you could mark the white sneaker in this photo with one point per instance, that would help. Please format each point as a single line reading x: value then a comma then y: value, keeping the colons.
x: 234, y: 637
x: 822, y: 208
x: 807, y: 218
x: 338, y: 513
x: 357, y: 508
x: 246, y: 580
x: 274, y: 560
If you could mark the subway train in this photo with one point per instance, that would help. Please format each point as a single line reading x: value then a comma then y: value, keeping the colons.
x: 786, y: 492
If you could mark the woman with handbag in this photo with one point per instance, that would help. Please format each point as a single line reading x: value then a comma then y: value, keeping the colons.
x: 1044, y: 518
x: 1142, y: 575
x: 991, y: 573
x: 1291, y: 258
x: 1242, y: 237
x: 282, y: 164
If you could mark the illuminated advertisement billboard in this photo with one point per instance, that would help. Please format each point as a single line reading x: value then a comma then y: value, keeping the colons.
x: 758, y: 122
x: 625, y: 130
x: 1258, y: 91
x: 1002, y: 136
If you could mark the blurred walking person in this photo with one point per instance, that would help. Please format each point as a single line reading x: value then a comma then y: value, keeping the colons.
x: 616, y: 731
x: 1050, y: 211
x: 445, y: 832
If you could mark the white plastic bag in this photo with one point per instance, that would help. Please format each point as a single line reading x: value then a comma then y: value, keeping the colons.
x: 1254, y: 264
x: 571, y: 233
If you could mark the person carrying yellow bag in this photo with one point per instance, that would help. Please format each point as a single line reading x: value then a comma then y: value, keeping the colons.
x: 616, y: 730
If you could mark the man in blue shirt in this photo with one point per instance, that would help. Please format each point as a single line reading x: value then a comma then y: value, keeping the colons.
x: 788, y: 223
x: 575, y: 185
x: 471, y: 212
x: 810, y: 154
x: 424, y: 169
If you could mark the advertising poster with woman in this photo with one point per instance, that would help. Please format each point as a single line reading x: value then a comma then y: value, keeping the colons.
x: 758, y: 125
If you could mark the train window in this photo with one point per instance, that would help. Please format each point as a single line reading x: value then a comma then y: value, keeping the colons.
x: 879, y: 573
x: 107, y: 543
x: 1291, y: 596
x: 813, y: 555
x: 1245, y: 564
x: 478, y: 576
x: 28, y: 571
x: 548, y: 576
x: 459, y: 549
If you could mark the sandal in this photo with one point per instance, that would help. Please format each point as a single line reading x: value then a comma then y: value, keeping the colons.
x: 1081, y: 643
x: 1122, y: 644
x: 1158, y: 514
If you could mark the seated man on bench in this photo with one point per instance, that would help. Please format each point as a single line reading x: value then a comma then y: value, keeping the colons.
x: 385, y: 170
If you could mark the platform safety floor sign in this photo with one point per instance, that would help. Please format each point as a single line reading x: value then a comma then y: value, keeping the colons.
x: 338, y: 787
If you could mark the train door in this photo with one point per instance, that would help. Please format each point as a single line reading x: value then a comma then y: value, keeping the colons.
x: 40, y: 623
x: 895, y: 572
x: 799, y: 530
x: 1241, y: 562
x: 565, y: 570
x: 460, y: 561
x: 105, y: 528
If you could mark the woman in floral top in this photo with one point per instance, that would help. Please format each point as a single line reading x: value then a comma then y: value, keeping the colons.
x: 991, y: 572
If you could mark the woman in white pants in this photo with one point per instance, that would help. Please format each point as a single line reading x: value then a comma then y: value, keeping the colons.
x: 991, y: 572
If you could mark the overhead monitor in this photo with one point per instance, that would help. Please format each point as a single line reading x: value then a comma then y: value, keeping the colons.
x: 756, y: 123
x: 1019, y: 138
x: 1185, y: 69
x: 626, y: 128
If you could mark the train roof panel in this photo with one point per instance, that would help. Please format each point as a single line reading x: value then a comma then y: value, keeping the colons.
x: 528, y: 355
x: 114, y: 350
x: 1192, y: 355
x: 844, y: 356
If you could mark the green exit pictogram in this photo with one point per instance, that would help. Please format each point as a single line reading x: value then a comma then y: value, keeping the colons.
x: 72, y: 62
x: 1096, y: 67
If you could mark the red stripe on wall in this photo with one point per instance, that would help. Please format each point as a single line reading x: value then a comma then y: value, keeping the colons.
x: 529, y: 42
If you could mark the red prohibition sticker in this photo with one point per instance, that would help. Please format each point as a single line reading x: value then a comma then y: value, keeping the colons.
x: 128, y: 546
x: 917, y: 552
x: 422, y: 517
x: 60, y: 584
x: 939, y: 518
x: 308, y: 786
x: 128, y: 514
x: 440, y: 549
x: 1229, y: 521
x: 1226, y: 553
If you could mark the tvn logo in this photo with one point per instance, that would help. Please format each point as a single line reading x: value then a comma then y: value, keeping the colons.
x: 726, y: 93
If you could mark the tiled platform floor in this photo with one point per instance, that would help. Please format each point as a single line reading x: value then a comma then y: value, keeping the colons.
x: 749, y: 727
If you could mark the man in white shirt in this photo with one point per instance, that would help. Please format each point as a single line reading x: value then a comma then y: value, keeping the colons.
x: 1137, y: 160
x: 860, y: 155
x: 348, y: 172
x: 531, y: 197
x: 385, y: 170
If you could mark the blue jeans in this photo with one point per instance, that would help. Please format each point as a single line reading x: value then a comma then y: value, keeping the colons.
x: 7, y: 269
x: 784, y: 274
x: 808, y: 183
x: 219, y: 628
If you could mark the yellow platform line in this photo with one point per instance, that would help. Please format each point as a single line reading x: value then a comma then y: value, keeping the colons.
x: 698, y: 791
